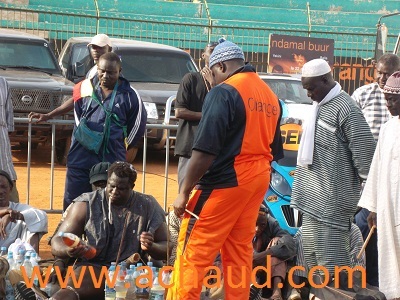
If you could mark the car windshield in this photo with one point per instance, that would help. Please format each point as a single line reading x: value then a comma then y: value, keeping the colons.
x: 290, y: 91
x: 30, y: 55
x: 155, y: 66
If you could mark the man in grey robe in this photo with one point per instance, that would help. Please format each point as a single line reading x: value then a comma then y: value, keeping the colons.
x: 335, y: 154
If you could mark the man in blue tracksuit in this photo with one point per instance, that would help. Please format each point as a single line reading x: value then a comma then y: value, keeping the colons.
x: 126, y: 123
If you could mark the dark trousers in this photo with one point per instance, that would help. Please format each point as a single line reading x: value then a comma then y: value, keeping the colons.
x: 76, y: 183
x: 371, y: 251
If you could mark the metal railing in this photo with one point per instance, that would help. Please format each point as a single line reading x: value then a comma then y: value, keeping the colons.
x: 55, y: 123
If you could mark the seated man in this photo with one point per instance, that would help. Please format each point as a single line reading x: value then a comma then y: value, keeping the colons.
x: 271, y: 239
x: 19, y: 220
x: 100, y: 216
x: 98, y: 180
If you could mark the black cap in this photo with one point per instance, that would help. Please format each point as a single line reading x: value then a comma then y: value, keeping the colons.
x: 99, y: 172
x: 7, y: 176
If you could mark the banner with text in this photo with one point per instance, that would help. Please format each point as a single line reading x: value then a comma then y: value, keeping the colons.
x: 288, y: 54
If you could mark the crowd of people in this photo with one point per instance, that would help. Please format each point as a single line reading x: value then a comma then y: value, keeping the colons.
x: 345, y: 184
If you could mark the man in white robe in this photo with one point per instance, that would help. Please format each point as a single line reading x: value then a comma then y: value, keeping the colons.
x: 19, y: 220
x: 381, y: 195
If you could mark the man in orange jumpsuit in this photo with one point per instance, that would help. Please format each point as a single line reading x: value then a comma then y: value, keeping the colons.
x: 229, y: 173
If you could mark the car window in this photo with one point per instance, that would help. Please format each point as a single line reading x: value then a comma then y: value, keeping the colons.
x: 27, y: 54
x: 81, y: 57
x: 80, y: 53
x: 63, y: 60
x: 155, y: 66
x: 290, y: 91
x: 65, y: 56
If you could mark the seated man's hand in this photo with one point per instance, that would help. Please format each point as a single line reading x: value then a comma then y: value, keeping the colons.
x: 40, y: 117
x: 4, y: 221
x: 15, y: 215
x: 146, y: 240
x: 77, y: 251
x: 260, y: 258
x: 59, y: 266
x: 274, y: 242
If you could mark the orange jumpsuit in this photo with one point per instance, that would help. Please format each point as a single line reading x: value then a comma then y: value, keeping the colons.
x: 240, y: 125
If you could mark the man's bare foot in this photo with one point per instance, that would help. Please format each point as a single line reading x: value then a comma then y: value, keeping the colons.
x: 276, y: 295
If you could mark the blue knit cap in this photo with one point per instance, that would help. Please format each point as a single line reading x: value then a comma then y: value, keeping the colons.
x: 224, y: 51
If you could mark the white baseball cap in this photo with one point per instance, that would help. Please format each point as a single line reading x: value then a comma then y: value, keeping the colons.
x: 101, y: 40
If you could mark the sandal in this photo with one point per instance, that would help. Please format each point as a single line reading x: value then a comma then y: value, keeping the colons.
x: 22, y: 292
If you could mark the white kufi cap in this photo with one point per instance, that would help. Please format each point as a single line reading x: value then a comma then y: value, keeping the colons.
x: 315, y: 67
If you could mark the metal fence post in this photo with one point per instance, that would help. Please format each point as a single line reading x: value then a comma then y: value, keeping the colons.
x: 28, y: 165
x: 309, y: 19
x: 53, y: 146
x: 209, y: 21
x: 96, y: 4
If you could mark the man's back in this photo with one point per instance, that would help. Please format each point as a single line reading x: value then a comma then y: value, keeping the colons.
x: 191, y: 94
x: 262, y: 109
x: 240, y: 123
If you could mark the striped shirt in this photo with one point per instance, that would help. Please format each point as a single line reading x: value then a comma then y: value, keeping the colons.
x: 371, y: 100
x: 6, y: 125
x: 328, y: 190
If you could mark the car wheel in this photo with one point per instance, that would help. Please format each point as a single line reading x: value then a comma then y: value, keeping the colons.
x: 62, y: 148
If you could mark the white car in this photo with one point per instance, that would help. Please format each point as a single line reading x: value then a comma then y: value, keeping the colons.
x: 290, y: 90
